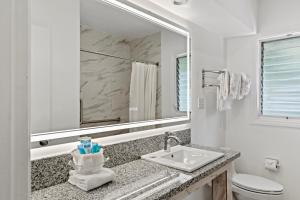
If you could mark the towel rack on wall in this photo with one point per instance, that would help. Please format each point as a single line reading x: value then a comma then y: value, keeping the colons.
x: 118, y: 119
x: 121, y: 58
x: 204, y: 76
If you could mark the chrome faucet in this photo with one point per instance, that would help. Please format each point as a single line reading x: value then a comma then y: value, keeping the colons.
x: 167, y: 139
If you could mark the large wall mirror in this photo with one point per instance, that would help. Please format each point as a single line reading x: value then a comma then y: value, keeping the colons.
x: 104, y: 66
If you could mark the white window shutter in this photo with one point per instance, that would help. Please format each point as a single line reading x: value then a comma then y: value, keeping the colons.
x: 280, y: 94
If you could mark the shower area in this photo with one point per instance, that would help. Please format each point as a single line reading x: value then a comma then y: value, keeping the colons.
x: 120, y: 77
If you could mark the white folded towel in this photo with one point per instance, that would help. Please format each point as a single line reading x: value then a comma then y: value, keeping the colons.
x: 92, y: 181
x: 235, y: 85
x: 245, y: 86
x: 223, y: 100
x: 224, y: 79
x: 88, y: 163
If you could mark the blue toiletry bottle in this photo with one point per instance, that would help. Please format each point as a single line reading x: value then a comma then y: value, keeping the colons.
x: 86, y: 142
x: 81, y: 149
x: 95, y: 148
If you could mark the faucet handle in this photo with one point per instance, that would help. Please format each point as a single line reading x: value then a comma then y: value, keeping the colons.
x: 166, y: 143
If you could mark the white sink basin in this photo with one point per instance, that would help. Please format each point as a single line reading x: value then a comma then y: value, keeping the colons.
x: 183, y: 158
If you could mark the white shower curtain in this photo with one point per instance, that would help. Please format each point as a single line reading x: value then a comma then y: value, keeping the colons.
x: 142, y: 99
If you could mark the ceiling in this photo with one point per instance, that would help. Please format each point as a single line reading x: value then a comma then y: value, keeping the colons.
x: 107, y: 19
x: 225, y: 17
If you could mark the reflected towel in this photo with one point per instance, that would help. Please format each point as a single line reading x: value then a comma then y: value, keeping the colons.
x: 92, y: 181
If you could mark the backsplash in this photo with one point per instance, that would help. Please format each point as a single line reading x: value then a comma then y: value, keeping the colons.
x: 55, y: 170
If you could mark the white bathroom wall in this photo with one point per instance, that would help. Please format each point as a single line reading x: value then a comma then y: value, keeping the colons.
x: 172, y: 45
x: 55, y: 72
x: 14, y: 135
x: 207, y: 124
x: 256, y: 141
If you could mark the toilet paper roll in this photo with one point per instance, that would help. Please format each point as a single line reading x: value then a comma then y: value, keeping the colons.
x: 271, y: 164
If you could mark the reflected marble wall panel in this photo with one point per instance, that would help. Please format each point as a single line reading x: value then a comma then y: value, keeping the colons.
x: 120, y: 84
x: 94, y: 40
x: 104, y: 92
x: 105, y: 80
x: 117, y: 99
x: 95, y: 87
x: 149, y: 49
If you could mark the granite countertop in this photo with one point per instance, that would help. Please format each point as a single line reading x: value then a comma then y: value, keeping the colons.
x: 133, y: 176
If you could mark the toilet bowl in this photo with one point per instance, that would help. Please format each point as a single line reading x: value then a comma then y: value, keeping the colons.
x: 250, y: 187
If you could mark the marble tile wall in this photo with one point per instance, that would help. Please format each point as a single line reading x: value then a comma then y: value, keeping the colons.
x: 148, y: 49
x: 104, y: 80
x: 55, y: 170
x: 94, y: 40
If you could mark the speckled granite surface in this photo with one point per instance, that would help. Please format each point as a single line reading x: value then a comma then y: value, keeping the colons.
x: 134, y: 175
x: 52, y: 171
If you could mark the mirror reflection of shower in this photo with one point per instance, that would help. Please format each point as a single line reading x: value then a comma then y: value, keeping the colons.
x: 143, y: 89
x: 121, y: 68
x: 119, y: 77
x: 130, y: 69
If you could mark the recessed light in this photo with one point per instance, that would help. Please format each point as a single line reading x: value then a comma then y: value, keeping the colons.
x: 179, y: 2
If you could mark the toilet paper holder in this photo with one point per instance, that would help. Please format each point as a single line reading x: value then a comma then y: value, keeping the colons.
x: 272, y: 164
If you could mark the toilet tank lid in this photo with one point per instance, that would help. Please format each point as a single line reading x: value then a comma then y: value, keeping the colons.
x: 256, y: 183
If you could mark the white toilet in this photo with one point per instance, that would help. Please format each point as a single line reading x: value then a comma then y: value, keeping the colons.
x: 250, y: 187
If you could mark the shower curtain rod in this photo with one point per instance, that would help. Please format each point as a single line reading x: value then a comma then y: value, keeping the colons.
x: 104, y: 54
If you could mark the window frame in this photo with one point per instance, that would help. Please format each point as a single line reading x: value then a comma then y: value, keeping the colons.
x: 176, y: 87
x: 291, y: 122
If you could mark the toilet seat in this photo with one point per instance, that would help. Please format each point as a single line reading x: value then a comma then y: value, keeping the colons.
x: 257, y: 184
x: 242, y: 194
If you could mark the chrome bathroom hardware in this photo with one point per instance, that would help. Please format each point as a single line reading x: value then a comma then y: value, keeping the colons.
x: 167, y: 138
x: 82, y: 122
x: 204, y: 76
x: 117, y: 57
x: 118, y: 119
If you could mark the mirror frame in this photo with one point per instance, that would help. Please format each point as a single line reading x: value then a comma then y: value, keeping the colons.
x: 37, y: 137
